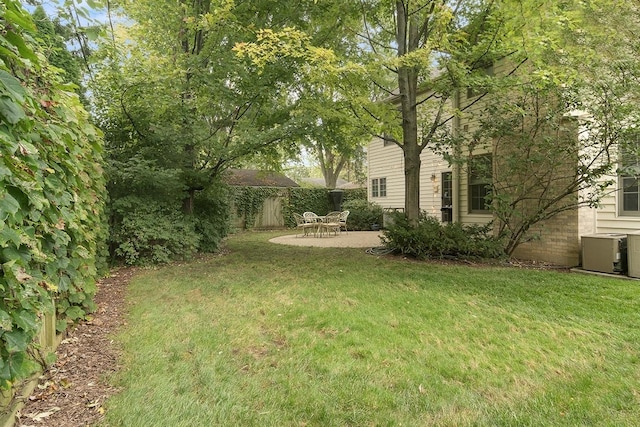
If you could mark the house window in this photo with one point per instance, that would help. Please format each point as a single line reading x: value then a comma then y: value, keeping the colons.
x: 480, y: 178
x: 629, y: 177
x: 379, y: 187
x: 447, y: 197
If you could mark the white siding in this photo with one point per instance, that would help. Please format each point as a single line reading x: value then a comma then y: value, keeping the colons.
x: 467, y: 124
x: 609, y: 221
x: 388, y: 162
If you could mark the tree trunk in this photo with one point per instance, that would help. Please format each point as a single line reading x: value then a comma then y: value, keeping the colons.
x: 412, y: 182
x: 408, y: 41
x: 187, y: 202
x: 329, y: 167
x: 330, y: 179
x: 192, y: 44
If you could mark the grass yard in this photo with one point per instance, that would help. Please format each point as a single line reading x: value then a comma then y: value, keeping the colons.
x: 272, y: 335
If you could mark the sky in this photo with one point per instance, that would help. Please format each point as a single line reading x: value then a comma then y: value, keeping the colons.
x: 53, y: 7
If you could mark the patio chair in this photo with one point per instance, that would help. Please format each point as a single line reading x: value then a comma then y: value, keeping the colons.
x: 304, y: 225
x: 311, y: 217
x: 331, y: 223
x: 343, y: 220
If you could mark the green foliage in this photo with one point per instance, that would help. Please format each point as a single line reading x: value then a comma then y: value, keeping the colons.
x: 54, y: 48
x: 51, y: 196
x: 185, y: 98
x: 353, y: 194
x: 432, y: 239
x: 152, y: 234
x: 362, y: 214
x: 305, y: 200
x: 147, y: 222
x: 211, y: 215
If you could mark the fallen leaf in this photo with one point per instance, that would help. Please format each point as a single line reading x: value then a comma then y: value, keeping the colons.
x: 42, y: 415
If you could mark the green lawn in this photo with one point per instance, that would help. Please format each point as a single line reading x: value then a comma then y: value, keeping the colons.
x: 271, y: 335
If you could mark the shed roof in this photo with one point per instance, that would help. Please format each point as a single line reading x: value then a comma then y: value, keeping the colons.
x: 256, y: 178
x: 340, y: 184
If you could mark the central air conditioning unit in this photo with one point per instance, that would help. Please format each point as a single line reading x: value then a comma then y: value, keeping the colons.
x: 633, y: 254
x: 605, y: 252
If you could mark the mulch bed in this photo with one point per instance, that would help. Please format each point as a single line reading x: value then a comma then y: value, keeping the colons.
x: 73, y: 391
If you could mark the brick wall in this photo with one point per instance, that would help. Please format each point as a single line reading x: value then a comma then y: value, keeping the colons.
x: 555, y: 241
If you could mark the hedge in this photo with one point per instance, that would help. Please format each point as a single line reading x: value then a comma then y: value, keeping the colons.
x: 51, y: 196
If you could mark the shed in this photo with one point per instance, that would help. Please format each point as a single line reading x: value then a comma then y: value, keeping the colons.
x: 263, y: 193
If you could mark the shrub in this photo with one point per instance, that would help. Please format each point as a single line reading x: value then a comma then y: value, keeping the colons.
x: 432, y: 239
x: 362, y: 214
x: 151, y: 233
x: 147, y: 220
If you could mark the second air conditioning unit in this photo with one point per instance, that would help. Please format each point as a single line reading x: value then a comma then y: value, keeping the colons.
x: 605, y: 252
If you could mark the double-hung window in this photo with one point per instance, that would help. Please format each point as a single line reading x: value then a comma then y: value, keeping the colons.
x: 379, y: 187
x: 480, y: 179
x: 629, y: 177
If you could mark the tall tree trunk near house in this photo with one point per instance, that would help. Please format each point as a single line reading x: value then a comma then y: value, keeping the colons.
x: 408, y: 41
x: 412, y: 183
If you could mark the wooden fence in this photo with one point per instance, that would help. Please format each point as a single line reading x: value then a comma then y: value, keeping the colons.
x: 13, y: 400
x: 270, y: 216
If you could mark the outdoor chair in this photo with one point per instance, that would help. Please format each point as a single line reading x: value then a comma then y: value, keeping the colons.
x: 343, y: 221
x: 311, y: 217
x: 304, y: 225
x: 331, y: 223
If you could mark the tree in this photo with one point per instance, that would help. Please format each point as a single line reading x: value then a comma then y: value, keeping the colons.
x: 566, y: 51
x: 66, y: 39
x: 432, y: 47
x: 546, y: 158
x: 189, y: 99
x: 54, y: 47
x: 176, y: 101
x: 332, y: 132
x: 556, y: 132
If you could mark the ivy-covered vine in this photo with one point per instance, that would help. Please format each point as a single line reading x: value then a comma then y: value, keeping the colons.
x: 248, y: 201
x: 51, y: 196
x: 305, y: 199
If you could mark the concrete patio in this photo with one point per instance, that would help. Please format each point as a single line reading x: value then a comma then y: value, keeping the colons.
x: 352, y: 239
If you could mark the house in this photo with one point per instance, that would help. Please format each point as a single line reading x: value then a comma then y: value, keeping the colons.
x: 457, y: 193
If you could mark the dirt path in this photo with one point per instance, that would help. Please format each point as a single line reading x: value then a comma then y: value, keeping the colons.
x: 72, y: 392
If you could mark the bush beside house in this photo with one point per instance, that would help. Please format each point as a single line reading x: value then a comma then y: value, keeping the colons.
x: 363, y: 215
